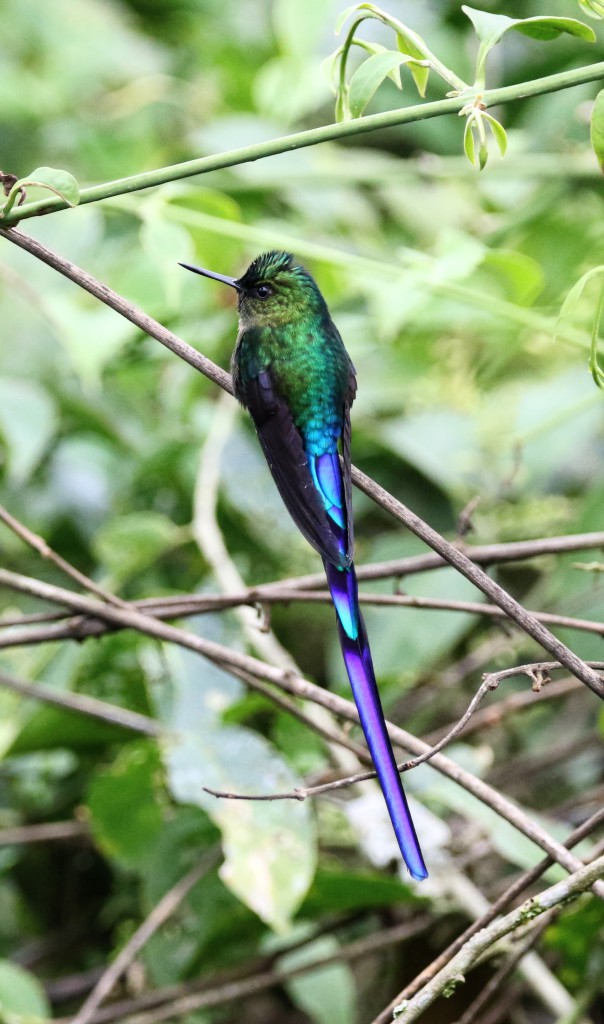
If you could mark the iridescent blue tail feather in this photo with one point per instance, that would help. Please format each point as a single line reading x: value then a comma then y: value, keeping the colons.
x: 359, y: 666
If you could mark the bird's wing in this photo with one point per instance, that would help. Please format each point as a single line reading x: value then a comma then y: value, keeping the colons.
x: 347, y: 477
x: 309, y: 485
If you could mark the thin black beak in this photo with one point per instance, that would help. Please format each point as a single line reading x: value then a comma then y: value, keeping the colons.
x: 232, y: 281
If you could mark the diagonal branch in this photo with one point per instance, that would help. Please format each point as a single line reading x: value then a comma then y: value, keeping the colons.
x: 514, y: 890
x: 454, y: 973
x: 84, y: 705
x: 167, y: 906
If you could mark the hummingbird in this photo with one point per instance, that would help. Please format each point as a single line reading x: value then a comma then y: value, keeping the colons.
x: 294, y: 376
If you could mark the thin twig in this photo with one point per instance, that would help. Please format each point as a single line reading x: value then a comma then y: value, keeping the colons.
x: 479, y: 578
x: 39, y: 544
x: 192, y: 605
x: 454, y: 972
x: 511, y: 893
x: 303, y: 793
x: 491, y: 716
x: 84, y: 705
x: 167, y: 906
x: 50, y: 831
x: 254, y: 978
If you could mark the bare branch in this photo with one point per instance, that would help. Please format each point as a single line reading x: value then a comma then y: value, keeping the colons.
x: 253, y: 978
x: 45, y: 832
x: 479, y: 578
x: 84, y: 705
x: 195, y: 604
x: 302, y: 793
x: 511, y: 893
x: 167, y: 906
x: 454, y: 972
x: 39, y: 544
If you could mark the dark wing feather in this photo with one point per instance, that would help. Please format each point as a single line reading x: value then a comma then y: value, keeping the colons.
x: 284, y: 451
x: 346, y: 434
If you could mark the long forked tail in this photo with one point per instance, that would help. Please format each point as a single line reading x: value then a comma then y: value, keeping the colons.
x: 357, y: 658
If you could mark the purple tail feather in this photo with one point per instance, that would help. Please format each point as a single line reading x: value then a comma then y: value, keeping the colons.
x: 357, y: 658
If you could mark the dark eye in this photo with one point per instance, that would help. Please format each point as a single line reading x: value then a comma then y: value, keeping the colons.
x: 263, y: 291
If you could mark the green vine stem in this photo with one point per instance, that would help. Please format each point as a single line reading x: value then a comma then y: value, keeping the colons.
x: 312, y: 137
x: 401, y: 30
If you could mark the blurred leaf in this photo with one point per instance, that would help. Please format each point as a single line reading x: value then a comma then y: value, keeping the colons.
x: 124, y: 801
x: 593, y: 8
x: 491, y: 27
x: 62, y: 183
x: 338, y: 891
x: 443, y: 445
x: 370, y: 75
x: 597, y: 128
x: 327, y: 994
x: 129, y: 543
x: 298, y: 27
x: 520, y: 275
x: 22, y: 998
x: 273, y: 843
x: 568, y: 307
x: 91, y: 333
x: 28, y: 421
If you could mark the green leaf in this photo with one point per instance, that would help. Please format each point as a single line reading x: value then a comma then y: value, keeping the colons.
x: 22, y: 998
x: 27, y: 423
x: 593, y: 8
x: 272, y: 843
x: 491, y: 27
x: 124, y: 805
x: 545, y: 28
x: 597, y: 128
x: 572, y: 299
x: 419, y: 71
x: 370, y: 75
x: 344, y: 16
x: 328, y: 994
x: 342, y: 105
x: 570, y: 303
x: 130, y: 543
x: 468, y: 141
x: 62, y: 183
x: 499, y: 133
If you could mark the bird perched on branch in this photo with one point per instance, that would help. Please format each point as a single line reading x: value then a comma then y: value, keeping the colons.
x: 294, y: 376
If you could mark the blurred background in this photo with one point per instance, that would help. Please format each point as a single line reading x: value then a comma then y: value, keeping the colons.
x: 464, y: 393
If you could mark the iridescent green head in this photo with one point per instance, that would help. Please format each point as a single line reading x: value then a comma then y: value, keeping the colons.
x: 274, y: 290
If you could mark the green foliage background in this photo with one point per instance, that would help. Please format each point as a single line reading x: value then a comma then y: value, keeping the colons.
x: 463, y: 391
